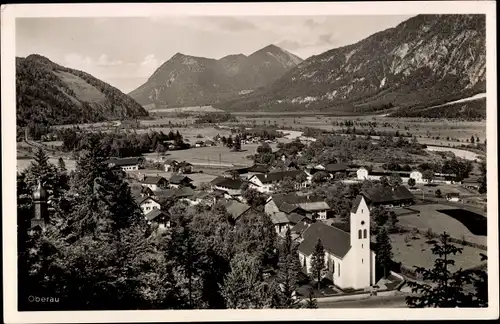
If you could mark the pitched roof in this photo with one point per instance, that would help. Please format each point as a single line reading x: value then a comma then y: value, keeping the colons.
x: 387, y: 195
x: 334, y: 240
x: 178, y: 179
x: 335, y: 167
x: 279, y: 218
x: 154, y: 214
x: 153, y: 180
x: 474, y: 179
x: 287, y: 207
x: 259, y: 168
x: 170, y: 193
x: 356, y: 203
x: 124, y: 161
x: 295, y: 218
x: 235, y: 208
x: 288, y: 163
x: 229, y: 183
x: 299, y: 227
x: 278, y: 176
x: 307, y: 202
x: 314, y: 205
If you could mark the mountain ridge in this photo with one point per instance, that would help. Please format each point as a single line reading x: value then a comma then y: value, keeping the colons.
x: 425, y: 58
x: 50, y: 94
x: 186, y: 80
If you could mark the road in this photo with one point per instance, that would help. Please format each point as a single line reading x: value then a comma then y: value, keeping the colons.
x: 370, y: 302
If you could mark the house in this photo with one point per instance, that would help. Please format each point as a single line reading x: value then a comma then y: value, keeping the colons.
x: 126, y: 164
x: 178, y: 180
x: 158, y: 217
x: 290, y: 165
x: 335, y: 168
x: 265, y: 182
x: 471, y: 182
x: 170, y: 165
x: 453, y: 196
x: 231, y: 186
x: 237, y: 209
x: 184, y: 167
x: 148, y: 203
x: 175, y: 193
x: 210, y: 143
x: 281, y: 222
x: 307, y: 206
x: 199, y: 144
x: 417, y: 176
x: 154, y: 183
x: 385, y: 196
x: 349, y: 258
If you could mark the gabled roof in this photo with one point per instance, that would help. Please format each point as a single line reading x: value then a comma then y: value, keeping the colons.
x: 287, y: 207
x: 307, y: 203
x: 299, y: 227
x: 171, y: 193
x: 279, y: 218
x: 334, y: 240
x: 153, y: 180
x: 228, y: 183
x: 124, y: 161
x: 289, y: 163
x: 295, y: 218
x: 314, y: 206
x: 178, y: 179
x: 155, y: 213
x: 336, y: 167
x: 278, y: 176
x: 259, y: 168
x: 141, y: 200
x: 387, y: 195
x: 184, y: 164
x: 236, y: 208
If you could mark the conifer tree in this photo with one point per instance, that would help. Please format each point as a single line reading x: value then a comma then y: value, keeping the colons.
x: 288, y: 270
x: 311, y: 302
x: 384, y: 250
x: 318, y: 262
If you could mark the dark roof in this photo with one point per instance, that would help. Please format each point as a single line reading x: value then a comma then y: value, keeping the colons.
x: 287, y: 207
x: 473, y: 180
x: 184, y: 164
x: 288, y: 163
x: 295, y: 199
x: 356, y: 203
x: 278, y: 176
x: 236, y: 208
x: 279, y: 218
x: 299, y: 227
x: 295, y: 218
x: 154, y: 214
x: 153, y: 180
x: 142, y: 199
x: 336, y: 167
x: 178, y: 179
x: 228, y: 183
x: 259, y: 168
x: 170, y: 193
x: 387, y: 195
x: 334, y: 240
x: 453, y: 194
x: 125, y: 161
x: 171, y: 161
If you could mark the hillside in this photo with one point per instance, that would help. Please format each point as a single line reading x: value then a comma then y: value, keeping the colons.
x: 187, y: 80
x: 426, y: 60
x: 50, y: 94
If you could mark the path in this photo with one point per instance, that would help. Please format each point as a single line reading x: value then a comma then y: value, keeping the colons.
x: 397, y: 301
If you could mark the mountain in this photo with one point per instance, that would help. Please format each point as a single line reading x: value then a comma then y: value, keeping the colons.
x: 51, y: 94
x: 187, y: 80
x: 424, y: 61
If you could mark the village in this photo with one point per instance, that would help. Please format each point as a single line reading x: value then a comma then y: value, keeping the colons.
x: 422, y: 205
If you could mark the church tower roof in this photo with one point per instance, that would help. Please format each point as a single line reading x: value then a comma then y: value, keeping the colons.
x: 40, y: 193
x: 355, y: 205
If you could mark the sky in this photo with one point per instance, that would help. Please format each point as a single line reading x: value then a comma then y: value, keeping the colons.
x: 125, y: 51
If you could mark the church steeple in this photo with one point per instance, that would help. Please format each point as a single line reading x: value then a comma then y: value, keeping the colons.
x: 40, y: 206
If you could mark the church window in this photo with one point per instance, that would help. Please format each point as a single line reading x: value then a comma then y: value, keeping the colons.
x: 364, y: 233
x: 339, y: 270
x: 361, y: 210
x: 359, y: 234
x: 361, y: 261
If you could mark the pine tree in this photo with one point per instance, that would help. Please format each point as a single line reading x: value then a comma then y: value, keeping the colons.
x: 61, y: 165
x: 446, y: 288
x: 384, y: 250
x: 311, y: 302
x: 318, y: 262
x: 288, y: 270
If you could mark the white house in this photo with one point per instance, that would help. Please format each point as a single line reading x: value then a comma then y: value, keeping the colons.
x: 126, y: 164
x: 154, y: 183
x: 265, y: 182
x: 348, y: 256
x: 362, y: 174
x: 158, y: 217
x: 148, y: 204
x: 417, y: 176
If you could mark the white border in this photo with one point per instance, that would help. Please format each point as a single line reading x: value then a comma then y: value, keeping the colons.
x: 8, y: 14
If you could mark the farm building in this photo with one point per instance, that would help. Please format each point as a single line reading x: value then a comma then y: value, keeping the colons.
x: 154, y: 183
x: 389, y: 197
x: 178, y: 180
x: 237, y: 209
x: 148, y: 203
x: 308, y: 206
x: 471, y: 182
x: 349, y: 258
x: 170, y: 165
x: 453, y: 196
x: 231, y: 186
x: 126, y: 164
x: 265, y: 182
x: 159, y: 218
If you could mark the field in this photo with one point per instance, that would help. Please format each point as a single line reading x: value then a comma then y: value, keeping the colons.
x: 196, y: 109
x: 417, y: 252
x: 197, y: 178
x: 436, y: 217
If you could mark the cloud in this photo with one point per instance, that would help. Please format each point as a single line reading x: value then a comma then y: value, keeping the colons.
x: 289, y: 44
x: 148, y: 65
x: 326, y: 39
x: 311, y: 23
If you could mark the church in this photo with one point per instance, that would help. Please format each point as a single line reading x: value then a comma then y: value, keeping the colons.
x: 349, y: 260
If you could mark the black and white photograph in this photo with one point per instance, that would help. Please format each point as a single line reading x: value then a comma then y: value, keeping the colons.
x: 300, y: 160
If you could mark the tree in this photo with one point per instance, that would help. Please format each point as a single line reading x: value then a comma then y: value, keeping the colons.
x: 318, y: 262
x: 472, y: 140
x: 384, y: 250
x: 301, y: 178
x: 438, y: 193
x: 395, y: 180
x: 288, y: 270
x: 446, y: 288
x: 394, y: 220
x: 482, y: 180
x: 380, y: 216
x: 311, y: 302
x: 428, y: 175
x: 237, y: 143
x: 229, y: 142
x: 287, y: 185
x: 384, y: 181
x: 320, y: 177
x: 61, y: 165
x: 254, y: 198
x: 411, y: 182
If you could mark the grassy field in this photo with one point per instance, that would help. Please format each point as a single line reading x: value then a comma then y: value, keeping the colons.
x: 431, y: 218
x: 194, y: 109
x: 417, y: 252
x: 197, y: 178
